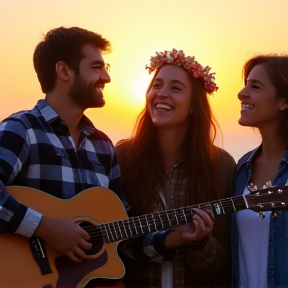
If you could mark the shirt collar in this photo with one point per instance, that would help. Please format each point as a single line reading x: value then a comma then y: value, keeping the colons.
x: 51, y: 116
x: 247, y: 160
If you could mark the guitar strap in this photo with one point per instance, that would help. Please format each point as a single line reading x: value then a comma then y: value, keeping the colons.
x: 39, y: 254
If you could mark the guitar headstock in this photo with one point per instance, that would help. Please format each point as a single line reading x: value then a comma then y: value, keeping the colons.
x: 268, y: 199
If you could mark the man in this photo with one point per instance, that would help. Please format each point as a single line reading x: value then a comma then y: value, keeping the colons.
x: 55, y: 148
x: 56, y: 135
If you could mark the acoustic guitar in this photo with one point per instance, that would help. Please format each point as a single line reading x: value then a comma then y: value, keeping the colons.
x: 28, y: 262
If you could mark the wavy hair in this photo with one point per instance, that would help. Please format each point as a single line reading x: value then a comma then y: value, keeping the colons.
x: 142, y: 168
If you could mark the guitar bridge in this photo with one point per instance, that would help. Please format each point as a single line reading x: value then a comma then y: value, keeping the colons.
x: 39, y: 254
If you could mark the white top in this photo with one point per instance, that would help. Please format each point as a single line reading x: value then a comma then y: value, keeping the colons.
x: 253, y: 238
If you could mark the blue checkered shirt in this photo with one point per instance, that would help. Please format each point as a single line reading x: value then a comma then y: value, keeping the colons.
x: 36, y: 150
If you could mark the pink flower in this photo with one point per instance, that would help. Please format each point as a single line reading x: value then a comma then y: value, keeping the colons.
x: 178, y: 58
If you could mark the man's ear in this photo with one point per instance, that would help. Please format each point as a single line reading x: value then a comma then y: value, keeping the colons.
x: 62, y: 70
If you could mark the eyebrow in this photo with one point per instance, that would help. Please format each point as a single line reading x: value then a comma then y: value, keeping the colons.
x: 173, y: 81
x: 97, y: 62
x: 254, y: 81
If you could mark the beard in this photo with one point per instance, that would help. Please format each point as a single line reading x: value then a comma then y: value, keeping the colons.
x: 85, y: 95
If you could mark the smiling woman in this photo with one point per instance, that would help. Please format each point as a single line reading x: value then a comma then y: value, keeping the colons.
x: 264, y: 105
x: 171, y: 162
x: 169, y: 99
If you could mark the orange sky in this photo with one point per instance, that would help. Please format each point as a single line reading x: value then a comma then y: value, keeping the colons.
x: 220, y: 33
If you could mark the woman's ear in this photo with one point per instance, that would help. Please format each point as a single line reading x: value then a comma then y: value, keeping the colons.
x: 284, y: 106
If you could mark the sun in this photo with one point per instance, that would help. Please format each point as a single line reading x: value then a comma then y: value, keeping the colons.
x: 138, y: 89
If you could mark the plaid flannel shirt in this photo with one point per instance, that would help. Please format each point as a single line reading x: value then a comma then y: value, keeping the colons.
x: 36, y: 150
x: 190, y: 267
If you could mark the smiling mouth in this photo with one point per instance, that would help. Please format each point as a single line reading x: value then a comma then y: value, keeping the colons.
x: 163, y: 107
x: 247, y: 107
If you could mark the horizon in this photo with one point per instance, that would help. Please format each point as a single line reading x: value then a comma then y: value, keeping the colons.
x: 222, y: 34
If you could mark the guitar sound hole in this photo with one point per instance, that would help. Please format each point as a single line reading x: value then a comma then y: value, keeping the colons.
x: 96, y: 237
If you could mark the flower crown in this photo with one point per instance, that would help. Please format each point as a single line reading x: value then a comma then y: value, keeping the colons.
x: 177, y: 57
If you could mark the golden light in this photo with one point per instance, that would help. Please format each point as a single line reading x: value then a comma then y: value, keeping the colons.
x: 137, y: 29
x: 138, y: 89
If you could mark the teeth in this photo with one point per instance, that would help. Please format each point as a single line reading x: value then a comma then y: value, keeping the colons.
x: 99, y: 89
x: 247, y: 107
x: 163, y: 107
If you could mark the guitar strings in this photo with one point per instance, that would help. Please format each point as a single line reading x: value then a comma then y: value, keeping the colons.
x: 165, y: 213
x: 127, y: 228
x: 123, y: 227
x: 150, y: 217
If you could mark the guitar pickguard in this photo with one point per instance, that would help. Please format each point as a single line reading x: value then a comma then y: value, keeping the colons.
x: 71, y: 273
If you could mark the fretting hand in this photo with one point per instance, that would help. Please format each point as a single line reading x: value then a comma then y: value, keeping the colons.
x: 201, y: 226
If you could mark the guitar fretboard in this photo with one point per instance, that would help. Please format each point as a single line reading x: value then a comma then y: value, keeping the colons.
x: 140, y: 225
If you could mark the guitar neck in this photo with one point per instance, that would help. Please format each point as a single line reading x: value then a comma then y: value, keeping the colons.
x: 140, y: 225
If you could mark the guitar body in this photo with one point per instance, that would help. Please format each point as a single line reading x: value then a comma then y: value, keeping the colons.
x: 102, y: 215
x: 95, y: 205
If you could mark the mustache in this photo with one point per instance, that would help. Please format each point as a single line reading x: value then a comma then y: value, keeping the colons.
x: 100, y: 82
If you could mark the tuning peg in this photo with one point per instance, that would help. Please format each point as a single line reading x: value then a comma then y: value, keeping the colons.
x: 261, y: 215
x: 275, y: 214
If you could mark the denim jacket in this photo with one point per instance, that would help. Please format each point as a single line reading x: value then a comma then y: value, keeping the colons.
x: 277, y: 270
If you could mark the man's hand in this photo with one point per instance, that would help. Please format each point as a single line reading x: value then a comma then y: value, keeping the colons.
x: 65, y: 237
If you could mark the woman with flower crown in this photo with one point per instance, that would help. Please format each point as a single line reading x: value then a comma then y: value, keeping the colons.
x: 171, y: 162
x: 259, y: 244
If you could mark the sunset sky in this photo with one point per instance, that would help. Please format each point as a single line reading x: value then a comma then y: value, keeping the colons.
x: 220, y: 33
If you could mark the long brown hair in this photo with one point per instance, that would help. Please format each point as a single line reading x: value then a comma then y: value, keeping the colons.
x: 277, y: 69
x: 142, y: 167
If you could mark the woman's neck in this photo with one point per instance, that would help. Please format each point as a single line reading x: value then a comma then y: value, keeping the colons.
x: 171, y: 143
x: 273, y: 146
x: 273, y: 149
